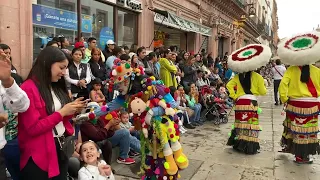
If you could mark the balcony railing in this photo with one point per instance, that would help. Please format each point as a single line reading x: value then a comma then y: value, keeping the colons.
x: 263, y: 29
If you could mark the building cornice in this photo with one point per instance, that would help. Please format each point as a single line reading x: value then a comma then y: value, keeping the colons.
x: 180, y: 10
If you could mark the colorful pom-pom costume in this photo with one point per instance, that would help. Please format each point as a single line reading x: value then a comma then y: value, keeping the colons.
x: 246, y: 128
x: 300, y: 89
x: 154, y: 112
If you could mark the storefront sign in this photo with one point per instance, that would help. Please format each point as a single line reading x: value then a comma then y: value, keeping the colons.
x: 106, y: 34
x: 47, y: 16
x: 179, y: 23
x: 131, y: 4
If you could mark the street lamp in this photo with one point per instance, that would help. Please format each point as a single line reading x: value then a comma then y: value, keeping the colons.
x: 252, y: 10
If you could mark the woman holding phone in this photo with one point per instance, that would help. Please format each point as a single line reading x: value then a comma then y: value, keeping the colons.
x: 46, y: 122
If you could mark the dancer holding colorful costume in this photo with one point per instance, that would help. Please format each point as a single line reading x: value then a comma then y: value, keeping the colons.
x: 300, y: 89
x: 249, y: 84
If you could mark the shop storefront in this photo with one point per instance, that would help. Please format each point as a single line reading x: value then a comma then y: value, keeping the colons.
x: 176, y: 31
x: 103, y: 19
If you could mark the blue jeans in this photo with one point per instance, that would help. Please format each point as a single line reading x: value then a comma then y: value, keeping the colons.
x: 125, y: 141
x: 197, y: 113
x: 135, y: 144
x: 11, y: 154
x: 136, y: 134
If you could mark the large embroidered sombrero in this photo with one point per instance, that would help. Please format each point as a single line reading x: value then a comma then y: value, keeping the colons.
x: 299, y: 50
x: 249, y: 58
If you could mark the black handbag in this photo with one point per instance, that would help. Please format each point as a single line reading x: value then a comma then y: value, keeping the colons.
x: 67, y: 144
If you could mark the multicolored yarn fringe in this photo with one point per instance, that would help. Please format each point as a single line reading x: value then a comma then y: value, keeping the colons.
x: 301, y: 128
x: 143, y: 142
x: 245, y: 130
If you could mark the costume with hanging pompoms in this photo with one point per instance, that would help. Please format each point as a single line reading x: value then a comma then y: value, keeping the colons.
x: 154, y: 112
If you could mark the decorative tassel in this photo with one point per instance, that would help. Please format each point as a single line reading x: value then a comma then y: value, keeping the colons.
x: 248, y: 138
x: 246, y: 108
x: 302, y: 111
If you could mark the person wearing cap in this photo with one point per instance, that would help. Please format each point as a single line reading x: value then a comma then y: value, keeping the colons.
x: 107, y: 52
x: 80, y: 45
x: 244, y: 136
x: 92, y: 43
x: 299, y: 89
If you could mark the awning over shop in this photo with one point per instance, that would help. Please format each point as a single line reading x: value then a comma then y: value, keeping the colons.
x: 175, y: 21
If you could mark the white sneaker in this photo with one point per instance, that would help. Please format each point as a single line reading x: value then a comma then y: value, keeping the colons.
x: 8, y: 174
x: 183, y: 129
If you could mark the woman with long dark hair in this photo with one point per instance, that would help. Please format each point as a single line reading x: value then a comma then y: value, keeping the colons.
x: 249, y: 84
x: 64, y: 43
x: 44, y: 125
x: 14, y: 73
x: 97, y: 66
x: 78, y: 75
x: 300, y: 89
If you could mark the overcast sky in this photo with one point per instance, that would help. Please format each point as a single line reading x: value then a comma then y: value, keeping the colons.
x: 297, y: 16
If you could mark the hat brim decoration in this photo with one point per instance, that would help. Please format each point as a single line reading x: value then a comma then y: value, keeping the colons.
x: 299, y: 50
x: 249, y: 58
x: 121, y: 71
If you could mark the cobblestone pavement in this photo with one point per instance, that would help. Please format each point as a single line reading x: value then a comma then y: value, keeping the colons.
x: 207, y: 143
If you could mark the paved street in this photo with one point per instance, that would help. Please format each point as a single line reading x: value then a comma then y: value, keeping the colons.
x: 207, y: 144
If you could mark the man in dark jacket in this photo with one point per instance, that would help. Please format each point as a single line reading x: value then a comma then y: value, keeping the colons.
x: 107, y: 52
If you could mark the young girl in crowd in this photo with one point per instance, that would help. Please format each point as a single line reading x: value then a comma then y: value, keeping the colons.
x: 96, y: 94
x: 224, y: 95
x: 78, y: 75
x: 192, y: 97
x: 183, y: 102
x: 135, y: 60
x: 177, y: 97
x: 93, y: 168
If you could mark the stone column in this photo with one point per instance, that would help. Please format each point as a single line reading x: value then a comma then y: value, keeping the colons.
x: 227, y: 45
x: 213, y: 43
x: 16, y: 31
x: 197, y: 43
x: 145, y: 26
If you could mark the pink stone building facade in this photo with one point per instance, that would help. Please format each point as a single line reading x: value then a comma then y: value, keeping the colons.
x: 192, y: 25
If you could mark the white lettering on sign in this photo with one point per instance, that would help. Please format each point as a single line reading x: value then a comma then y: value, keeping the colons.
x: 132, y: 4
x: 48, y: 16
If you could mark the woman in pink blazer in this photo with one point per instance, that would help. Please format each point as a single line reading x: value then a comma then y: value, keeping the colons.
x: 47, y: 118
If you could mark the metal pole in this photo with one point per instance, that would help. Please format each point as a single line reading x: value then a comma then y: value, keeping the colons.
x: 79, y: 19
